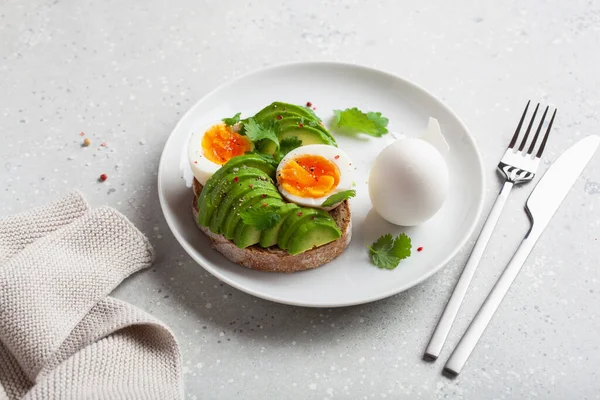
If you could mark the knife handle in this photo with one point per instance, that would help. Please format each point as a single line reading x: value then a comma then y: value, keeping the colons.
x: 444, y: 325
x: 469, y: 340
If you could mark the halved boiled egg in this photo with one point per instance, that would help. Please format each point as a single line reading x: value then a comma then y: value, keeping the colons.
x: 210, y: 149
x: 308, y: 175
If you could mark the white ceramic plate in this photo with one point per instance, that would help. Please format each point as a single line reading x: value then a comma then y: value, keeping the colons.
x: 349, y: 279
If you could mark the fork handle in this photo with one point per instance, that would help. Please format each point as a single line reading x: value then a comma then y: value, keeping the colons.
x: 449, y: 315
x: 473, y: 333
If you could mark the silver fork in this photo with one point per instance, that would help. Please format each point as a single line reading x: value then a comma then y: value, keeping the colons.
x: 517, y: 166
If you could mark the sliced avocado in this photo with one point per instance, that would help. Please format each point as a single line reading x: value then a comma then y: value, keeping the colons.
x: 233, y: 217
x: 247, y: 235
x: 212, y: 195
x: 294, y: 220
x: 277, y: 116
x: 294, y: 121
x: 307, y: 134
x: 313, y: 234
x: 269, y: 236
x: 239, y: 162
x: 245, y: 161
x: 278, y: 108
x: 237, y: 190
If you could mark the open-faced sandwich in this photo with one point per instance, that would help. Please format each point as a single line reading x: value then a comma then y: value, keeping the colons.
x: 271, y: 190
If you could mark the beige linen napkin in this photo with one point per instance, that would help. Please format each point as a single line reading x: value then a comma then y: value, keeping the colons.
x: 61, y: 336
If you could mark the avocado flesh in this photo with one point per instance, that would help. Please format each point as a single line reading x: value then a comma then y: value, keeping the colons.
x: 306, y: 134
x: 247, y: 235
x: 237, y: 190
x: 233, y: 217
x: 313, y: 234
x: 296, y: 219
x: 269, y: 236
x: 288, y: 122
x: 278, y: 108
x: 211, y: 197
x: 240, y: 162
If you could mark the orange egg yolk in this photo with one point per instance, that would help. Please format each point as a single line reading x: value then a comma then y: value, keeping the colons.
x: 309, y: 176
x: 220, y: 144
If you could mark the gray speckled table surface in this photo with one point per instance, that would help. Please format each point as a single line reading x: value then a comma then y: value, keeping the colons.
x: 124, y: 72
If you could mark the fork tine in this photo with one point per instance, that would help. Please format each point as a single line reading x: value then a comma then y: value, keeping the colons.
x: 516, y: 135
x: 541, y: 150
x: 537, y: 132
x: 524, y: 141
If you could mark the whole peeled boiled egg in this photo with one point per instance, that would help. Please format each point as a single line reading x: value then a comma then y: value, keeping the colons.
x: 408, y: 182
x: 209, y: 150
x: 308, y: 175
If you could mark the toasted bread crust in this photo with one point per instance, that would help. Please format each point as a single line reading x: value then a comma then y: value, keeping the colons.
x: 273, y: 259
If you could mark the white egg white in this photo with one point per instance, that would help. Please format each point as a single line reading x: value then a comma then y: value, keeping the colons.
x: 331, y: 153
x: 201, y: 166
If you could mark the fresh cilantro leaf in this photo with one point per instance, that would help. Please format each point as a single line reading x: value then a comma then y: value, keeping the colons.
x: 288, y: 144
x: 387, y: 252
x: 402, y: 246
x: 385, y: 260
x: 354, y: 120
x: 379, y: 120
x: 261, y: 217
x: 340, y: 196
x: 233, y: 120
x: 256, y: 131
x: 384, y: 243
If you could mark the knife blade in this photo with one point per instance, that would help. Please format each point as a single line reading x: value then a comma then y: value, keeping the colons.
x: 554, y: 186
x: 541, y: 205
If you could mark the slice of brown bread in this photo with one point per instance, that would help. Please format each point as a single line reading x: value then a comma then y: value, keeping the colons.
x: 273, y: 259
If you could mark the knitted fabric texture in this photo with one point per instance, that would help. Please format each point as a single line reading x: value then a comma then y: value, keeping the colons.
x: 61, y: 336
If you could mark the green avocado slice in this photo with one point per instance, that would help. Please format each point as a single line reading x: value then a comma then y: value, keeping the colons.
x: 237, y: 190
x: 247, y: 235
x: 306, y: 134
x: 233, y: 217
x: 288, y: 122
x: 245, y: 161
x: 239, y: 162
x: 294, y: 220
x: 269, y: 236
x: 212, y: 195
x: 277, y: 108
x: 313, y: 234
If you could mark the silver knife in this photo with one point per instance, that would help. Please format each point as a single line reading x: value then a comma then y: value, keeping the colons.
x: 541, y: 206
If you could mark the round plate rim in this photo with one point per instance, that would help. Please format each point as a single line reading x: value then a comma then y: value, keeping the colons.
x: 202, y: 262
